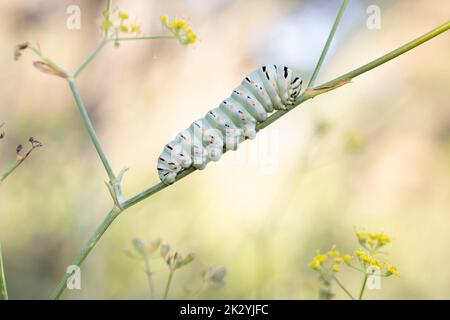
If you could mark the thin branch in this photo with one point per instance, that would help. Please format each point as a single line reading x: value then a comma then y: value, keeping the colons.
x: 391, y: 55
x: 309, y: 94
x: 105, y: 41
x: 20, y: 159
x: 342, y: 287
x: 327, y: 44
x: 90, y: 57
x: 91, y: 131
x: 143, y: 38
x: 3, y: 288
x: 110, y: 217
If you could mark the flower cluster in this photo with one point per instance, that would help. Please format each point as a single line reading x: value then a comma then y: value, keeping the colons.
x: 370, y: 258
x: 175, y: 260
x: 215, y: 277
x: 180, y: 29
x: 333, y: 256
x: 118, y: 23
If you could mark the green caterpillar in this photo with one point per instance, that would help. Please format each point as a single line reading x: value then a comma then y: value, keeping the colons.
x: 266, y: 89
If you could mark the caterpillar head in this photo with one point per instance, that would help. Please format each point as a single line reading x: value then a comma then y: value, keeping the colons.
x: 295, y: 89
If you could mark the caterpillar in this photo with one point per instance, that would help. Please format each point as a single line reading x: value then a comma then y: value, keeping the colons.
x: 266, y: 89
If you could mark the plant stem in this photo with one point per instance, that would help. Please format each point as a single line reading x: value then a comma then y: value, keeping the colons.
x: 342, y: 287
x: 391, y: 55
x: 17, y: 163
x: 91, y: 130
x: 327, y: 44
x: 112, y: 215
x: 105, y: 41
x: 3, y: 288
x: 169, y: 281
x: 90, y: 57
x: 148, y: 270
x: 363, y: 287
x: 143, y: 38
x: 10, y: 170
x: 309, y: 94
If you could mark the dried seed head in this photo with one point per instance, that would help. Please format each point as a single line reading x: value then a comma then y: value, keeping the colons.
x: 34, y: 143
x: 19, y: 48
x: 165, y: 248
x: 19, y: 149
x: 139, y: 245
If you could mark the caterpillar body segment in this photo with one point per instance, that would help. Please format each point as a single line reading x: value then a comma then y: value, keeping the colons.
x: 265, y: 90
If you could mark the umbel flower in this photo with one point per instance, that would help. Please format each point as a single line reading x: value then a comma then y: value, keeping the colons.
x: 180, y: 29
x: 371, y: 260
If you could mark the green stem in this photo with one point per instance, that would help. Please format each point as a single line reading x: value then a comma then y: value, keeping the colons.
x: 333, y: 84
x: 91, y: 130
x: 16, y: 164
x: 90, y: 57
x: 106, y: 40
x: 148, y: 270
x: 342, y: 287
x: 169, y: 281
x: 327, y: 44
x: 143, y: 38
x: 10, y: 170
x: 391, y: 55
x: 109, y: 219
x: 3, y: 289
x: 363, y: 287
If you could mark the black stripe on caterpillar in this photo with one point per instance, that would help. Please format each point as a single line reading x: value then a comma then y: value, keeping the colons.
x: 266, y: 89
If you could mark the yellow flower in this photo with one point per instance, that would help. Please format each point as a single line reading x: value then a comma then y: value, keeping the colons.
x: 180, y: 29
x: 318, y: 260
x: 382, y: 238
x: 338, y: 260
x: 391, y: 270
x: 347, y: 258
x: 362, y: 235
x: 106, y: 25
x: 135, y: 28
x: 367, y: 259
x: 124, y: 28
x: 336, y: 268
x: 333, y: 252
x: 123, y: 15
x: 178, y: 25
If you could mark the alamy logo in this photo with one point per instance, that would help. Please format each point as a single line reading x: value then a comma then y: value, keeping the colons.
x: 74, y: 279
x: 374, y: 278
x: 373, y: 21
x: 73, y: 22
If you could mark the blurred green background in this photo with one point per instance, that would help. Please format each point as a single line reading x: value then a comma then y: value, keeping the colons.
x: 374, y: 153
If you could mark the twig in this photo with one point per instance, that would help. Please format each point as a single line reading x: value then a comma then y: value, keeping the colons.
x: 91, y: 130
x: 327, y: 44
x: 3, y: 288
x: 169, y: 281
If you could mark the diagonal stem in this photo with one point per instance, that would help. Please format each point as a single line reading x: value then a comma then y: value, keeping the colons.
x: 91, y: 130
x: 106, y: 41
x: 391, y: 55
x: 3, y: 288
x: 327, y: 44
x: 110, y: 217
